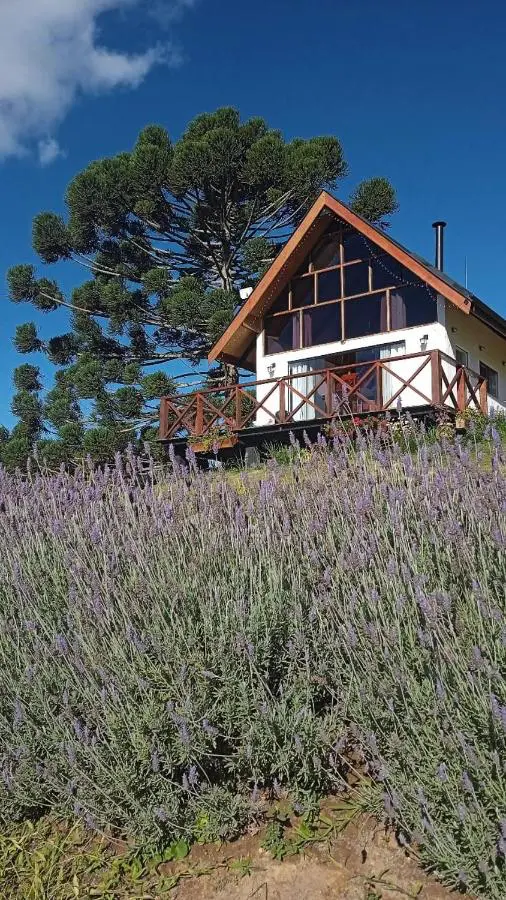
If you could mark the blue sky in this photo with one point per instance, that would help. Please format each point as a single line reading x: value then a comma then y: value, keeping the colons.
x: 414, y: 91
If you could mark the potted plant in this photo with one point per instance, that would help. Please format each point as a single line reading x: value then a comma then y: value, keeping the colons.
x: 214, y: 440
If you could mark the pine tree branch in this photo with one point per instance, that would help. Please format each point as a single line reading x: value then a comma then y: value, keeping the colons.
x: 95, y: 267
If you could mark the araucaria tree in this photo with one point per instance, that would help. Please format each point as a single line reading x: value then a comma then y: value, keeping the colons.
x: 169, y: 233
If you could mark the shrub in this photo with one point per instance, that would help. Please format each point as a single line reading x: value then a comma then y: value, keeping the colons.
x: 169, y: 646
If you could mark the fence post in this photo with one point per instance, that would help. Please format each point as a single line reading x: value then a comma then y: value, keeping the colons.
x: 435, y: 364
x: 199, y: 415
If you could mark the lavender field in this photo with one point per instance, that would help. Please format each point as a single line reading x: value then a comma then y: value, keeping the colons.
x: 173, y: 646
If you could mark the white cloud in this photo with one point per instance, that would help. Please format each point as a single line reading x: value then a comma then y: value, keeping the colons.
x: 50, y: 51
x: 49, y: 150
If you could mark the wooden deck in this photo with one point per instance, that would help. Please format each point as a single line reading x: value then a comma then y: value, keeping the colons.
x: 429, y: 380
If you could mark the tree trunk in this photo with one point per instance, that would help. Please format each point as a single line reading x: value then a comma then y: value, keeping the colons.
x: 231, y: 373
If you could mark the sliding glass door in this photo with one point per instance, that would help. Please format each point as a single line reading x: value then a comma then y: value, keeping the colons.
x: 390, y: 384
x: 304, y: 381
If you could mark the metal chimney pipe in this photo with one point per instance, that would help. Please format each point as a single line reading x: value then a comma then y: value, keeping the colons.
x: 439, y: 226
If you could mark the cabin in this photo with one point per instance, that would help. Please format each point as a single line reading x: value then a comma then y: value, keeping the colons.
x: 346, y: 322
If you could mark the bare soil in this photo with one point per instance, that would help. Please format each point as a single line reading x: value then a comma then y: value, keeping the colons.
x: 363, y: 863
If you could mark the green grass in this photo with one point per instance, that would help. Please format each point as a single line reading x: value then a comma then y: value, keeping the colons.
x: 57, y: 860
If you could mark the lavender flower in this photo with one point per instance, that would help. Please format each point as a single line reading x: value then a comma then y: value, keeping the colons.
x: 467, y: 784
x: 61, y: 644
x: 210, y: 730
x: 193, y: 778
x: 19, y: 713
x: 462, y: 811
x: 442, y: 772
x: 340, y: 577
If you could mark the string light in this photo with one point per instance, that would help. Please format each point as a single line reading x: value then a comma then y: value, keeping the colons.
x: 396, y: 279
x: 418, y: 283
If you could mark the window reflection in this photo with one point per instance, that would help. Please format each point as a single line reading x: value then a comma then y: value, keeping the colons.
x: 321, y: 325
x: 356, y: 279
x: 282, y: 333
x: 302, y: 292
x: 327, y: 253
x: 387, y: 272
x: 354, y: 246
x: 412, y: 305
x: 492, y: 379
x: 281, y: 303
x: 366, y: 315
x: 329, y: 285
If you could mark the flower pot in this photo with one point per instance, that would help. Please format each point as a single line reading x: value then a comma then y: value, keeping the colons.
x: 206, y: 446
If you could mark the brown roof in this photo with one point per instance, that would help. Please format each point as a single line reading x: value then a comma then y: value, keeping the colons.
x: 248, y: 321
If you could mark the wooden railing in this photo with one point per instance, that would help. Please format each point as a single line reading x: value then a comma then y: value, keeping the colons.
x: 434, y: 379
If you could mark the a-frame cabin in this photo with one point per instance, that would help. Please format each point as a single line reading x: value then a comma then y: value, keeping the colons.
x: 346, y: 322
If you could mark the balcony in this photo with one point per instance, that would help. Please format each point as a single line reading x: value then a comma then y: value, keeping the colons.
x: 425, y: 380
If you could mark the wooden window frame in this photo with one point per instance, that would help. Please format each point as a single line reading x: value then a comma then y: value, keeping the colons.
x: 315, y: 273
x: 483, y: 375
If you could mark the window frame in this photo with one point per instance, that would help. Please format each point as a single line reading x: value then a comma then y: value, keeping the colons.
x: 340, y: 267
x: 464, y: 353
x: 484, y: 365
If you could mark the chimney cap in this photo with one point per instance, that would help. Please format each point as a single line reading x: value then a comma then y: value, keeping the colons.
x: 439, y: 223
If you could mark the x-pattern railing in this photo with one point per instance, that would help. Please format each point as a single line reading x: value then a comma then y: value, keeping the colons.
x: 337, y: 391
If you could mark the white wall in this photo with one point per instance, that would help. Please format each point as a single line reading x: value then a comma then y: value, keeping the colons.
x: 437, y: 340
x: 469, y: 335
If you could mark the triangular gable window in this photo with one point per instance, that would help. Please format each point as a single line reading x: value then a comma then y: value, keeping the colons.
x: 346, y: 288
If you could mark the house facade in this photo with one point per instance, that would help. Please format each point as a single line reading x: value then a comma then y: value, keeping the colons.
x: 346, y: 321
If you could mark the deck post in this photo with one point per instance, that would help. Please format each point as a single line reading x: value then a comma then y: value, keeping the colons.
x: 435, y: 365
x: 237, y: 406
x: 461, y: 389
x: 329, y: 392
x: 282, y: 401
x: 199, y: 414
x: 379, y: 384
x: 163, y: 429
x: 484, y: 397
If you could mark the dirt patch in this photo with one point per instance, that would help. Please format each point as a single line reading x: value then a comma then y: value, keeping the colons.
x: 362, y: 863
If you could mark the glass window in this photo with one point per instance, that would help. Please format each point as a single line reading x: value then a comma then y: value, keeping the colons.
x: 387, y: 272
x: 412, y: 305
x: 492, y: 379
x: 321, y: 325
x: 362, y: 355
x: 366, y: 315
x: 281, y: 302
x: 329, y: 285
x: 354, y: 246
x: 327, y: 252
x: 461, y: 356
x: 356, y: 279
x: 282, y: 333
x: 302, y: 292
